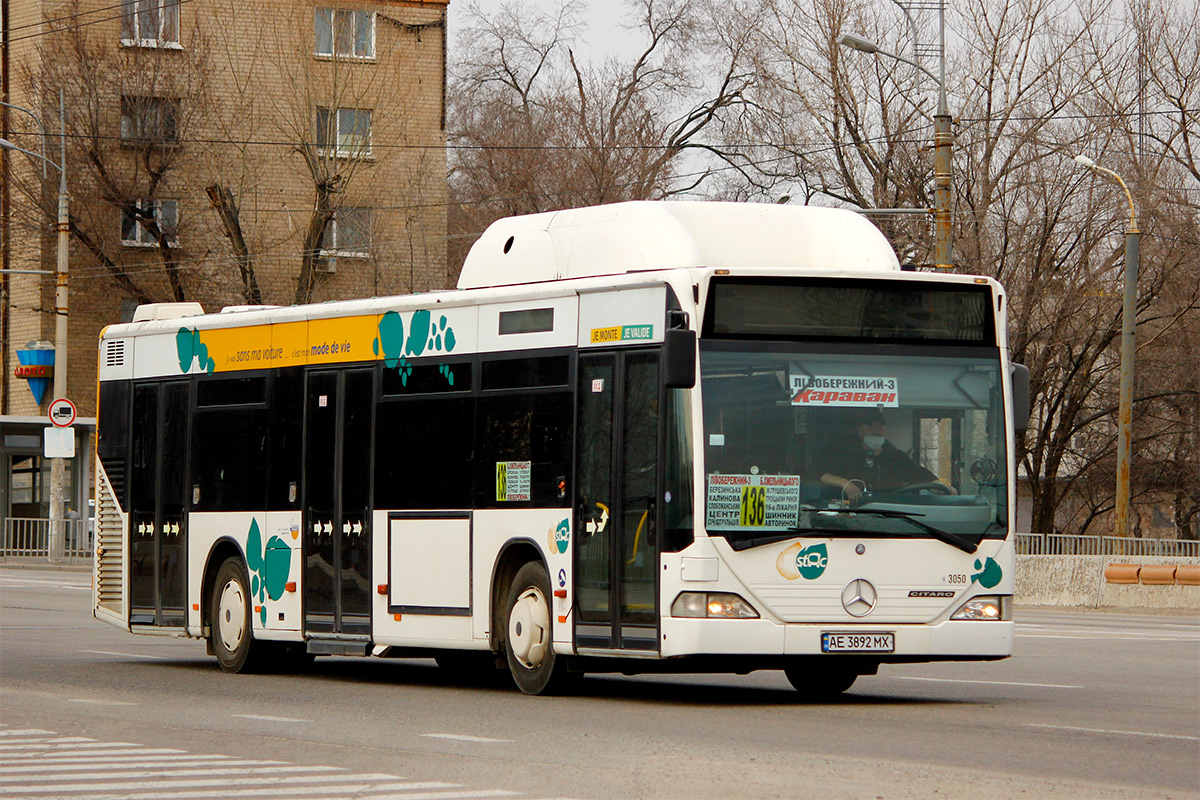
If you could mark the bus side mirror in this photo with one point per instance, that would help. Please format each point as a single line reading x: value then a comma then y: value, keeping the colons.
x: 679, y: 358
x: 1020, y: 397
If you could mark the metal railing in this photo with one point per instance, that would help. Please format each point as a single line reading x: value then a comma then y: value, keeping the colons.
x: 30, y: 538
x: 1061, y: 544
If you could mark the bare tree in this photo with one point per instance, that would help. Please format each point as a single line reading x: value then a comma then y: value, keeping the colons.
x: 534, y: 128
x: 129, y: 113
x: 1024, y: 82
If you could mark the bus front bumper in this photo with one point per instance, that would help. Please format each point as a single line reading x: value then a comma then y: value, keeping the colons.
x: 948, y: 640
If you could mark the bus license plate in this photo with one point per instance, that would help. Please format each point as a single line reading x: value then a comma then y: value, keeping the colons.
x: 835, y: 642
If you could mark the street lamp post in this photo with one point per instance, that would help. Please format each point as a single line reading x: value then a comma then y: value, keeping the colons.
x: 58, y: 467
x: 943, y: 140
x: 1133, y: 238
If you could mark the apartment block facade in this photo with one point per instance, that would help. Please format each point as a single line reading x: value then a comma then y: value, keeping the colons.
x: 225, y: 152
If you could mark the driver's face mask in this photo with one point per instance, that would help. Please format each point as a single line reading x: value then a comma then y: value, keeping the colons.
x: 874, y: 443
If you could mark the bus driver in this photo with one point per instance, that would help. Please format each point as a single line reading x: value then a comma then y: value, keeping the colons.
x: 870, y: 462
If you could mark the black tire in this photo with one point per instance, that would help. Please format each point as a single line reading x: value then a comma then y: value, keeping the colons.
x: 470, y: 667
x: 819, y: 684
x: 529, y: 634
x: 230, y: 626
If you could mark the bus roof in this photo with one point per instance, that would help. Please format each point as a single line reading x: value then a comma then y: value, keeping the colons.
x: 636, y: 236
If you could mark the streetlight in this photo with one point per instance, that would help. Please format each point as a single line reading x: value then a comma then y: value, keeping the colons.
x: 58, y: 469
x: 943, y: 139
x: 1133, y: 240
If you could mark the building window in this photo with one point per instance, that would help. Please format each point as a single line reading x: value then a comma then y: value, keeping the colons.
x: 135, y: 231
x: 150, y: 23
x: 344, y: 33
x: 344, y: 131
x: 348, y: 233
x: 149, y: 119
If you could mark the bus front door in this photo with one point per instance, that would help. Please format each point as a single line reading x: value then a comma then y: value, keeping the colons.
x: 157, y: 498
x: 337, y: 485
x: 616, y: 550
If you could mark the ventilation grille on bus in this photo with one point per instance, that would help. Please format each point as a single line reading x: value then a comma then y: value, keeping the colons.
x: 110, y: 554
x: 114, y: 353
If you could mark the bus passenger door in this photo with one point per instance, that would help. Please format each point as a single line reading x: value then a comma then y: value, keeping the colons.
x: 615, y: 511
x: 337, y: 485
x: 158, y: 493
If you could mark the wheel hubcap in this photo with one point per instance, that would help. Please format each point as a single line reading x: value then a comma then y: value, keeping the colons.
x: 529, y: 628
x: 231, y: 616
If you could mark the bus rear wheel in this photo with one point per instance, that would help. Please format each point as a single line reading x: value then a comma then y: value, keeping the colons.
x: 230, y: 627
x: 529, y: 644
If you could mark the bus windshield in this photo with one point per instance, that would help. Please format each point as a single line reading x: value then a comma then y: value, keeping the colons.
x: 803, y: 440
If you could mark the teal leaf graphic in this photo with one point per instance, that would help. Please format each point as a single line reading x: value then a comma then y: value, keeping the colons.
x: 254, y: 549
x: 278, y: 565
x: 418, y: 333
x: 391, y: 338
x: 185, y: 348
x: 811, y: 561
x: 990, y: 573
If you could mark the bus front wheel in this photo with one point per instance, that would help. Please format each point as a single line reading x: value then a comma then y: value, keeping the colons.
x: 229, y: 623
x: 819, y: 684
x: 530, y: 643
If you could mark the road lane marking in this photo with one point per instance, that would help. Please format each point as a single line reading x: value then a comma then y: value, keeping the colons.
x: 1120, y: 733
x: 27, y: 732
x: 80, y: 587
x: 1110, y: 637
x: 124, y: 655
x: 271, y: 719
x: 101, y: 702
x: 458, y: 737
x: 989, y: 683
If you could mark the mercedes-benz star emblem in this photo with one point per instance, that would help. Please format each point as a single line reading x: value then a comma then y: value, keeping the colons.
x: 859, y: 597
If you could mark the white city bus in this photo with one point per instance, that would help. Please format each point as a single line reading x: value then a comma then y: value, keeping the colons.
x: 644, y: 437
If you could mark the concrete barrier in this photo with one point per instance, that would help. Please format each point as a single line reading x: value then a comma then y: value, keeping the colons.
x: 1121, y: 573
x: 1080, y: 581
x: 1158, y: 575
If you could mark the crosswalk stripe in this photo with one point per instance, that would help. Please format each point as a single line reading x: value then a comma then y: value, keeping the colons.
x: 129, y: 761
x: 358, y: 793
x: 169, y: 767
x: 64, y: 743
x: 224, y: 769
x: 107, y: 752
x: 39, y: 765
x: 200, y: 783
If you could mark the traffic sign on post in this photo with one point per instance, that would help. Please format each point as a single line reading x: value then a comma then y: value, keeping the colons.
x: 62, y: 413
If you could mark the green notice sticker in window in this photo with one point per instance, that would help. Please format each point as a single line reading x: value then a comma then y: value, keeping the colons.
x: 512, y: 481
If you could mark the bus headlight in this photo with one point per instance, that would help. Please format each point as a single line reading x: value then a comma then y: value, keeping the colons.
x: 716, y: 605
x: 986, y: 607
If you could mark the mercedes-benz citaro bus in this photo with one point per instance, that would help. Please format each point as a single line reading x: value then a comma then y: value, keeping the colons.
x: 641, y: 437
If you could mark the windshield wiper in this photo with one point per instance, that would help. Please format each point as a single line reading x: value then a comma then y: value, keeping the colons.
x: 740, y: 544
x: 964, y: 543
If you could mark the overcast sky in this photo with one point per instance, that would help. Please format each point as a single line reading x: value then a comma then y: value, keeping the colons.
x: 604, y: 35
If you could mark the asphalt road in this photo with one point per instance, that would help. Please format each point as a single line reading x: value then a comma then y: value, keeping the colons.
x: 1094, y: 705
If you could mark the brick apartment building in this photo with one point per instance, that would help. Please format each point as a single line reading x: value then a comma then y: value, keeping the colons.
x: 226, y: 152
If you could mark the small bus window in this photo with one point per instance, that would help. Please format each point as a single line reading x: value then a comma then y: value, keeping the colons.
x: 526, y: 373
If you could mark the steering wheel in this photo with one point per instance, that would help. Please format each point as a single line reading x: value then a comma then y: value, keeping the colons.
x: 936, y: 488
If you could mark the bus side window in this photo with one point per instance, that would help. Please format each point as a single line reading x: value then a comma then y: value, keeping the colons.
x: 534, y: 428
x: 423, y: 453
